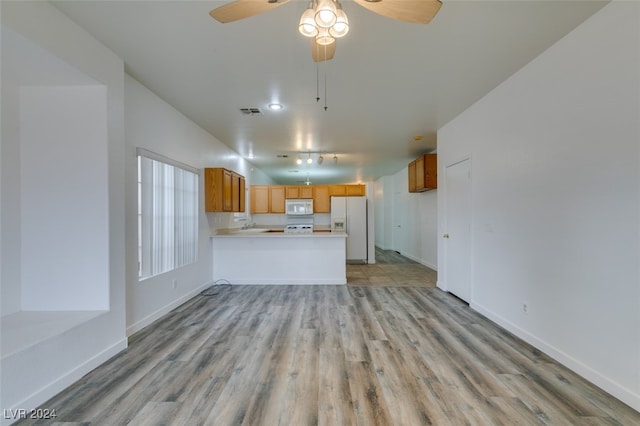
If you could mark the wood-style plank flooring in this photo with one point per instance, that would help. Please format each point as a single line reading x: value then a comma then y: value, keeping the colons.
x: 391, y: 270
x: 332, y: 355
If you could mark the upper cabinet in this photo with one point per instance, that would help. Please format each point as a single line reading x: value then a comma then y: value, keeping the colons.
x: 321, y: 199
x: 299, y: 191
x: 259, y: 196
x: 276, y: 198
x: 271, y: 198
x: 412, y: 176
x: 267, y: 198
x: 347, y: 190
x: 423, y: 173
x: 224, y: 190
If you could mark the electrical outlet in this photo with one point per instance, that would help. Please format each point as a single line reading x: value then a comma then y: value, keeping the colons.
x: 174, y: 283
x: 525, y: 308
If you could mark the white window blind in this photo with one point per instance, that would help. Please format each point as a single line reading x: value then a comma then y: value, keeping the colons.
x: 167, y: 214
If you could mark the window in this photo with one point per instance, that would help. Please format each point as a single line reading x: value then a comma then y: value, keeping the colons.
x: 167, y: 214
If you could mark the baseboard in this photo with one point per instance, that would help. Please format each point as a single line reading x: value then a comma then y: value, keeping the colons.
x: 66, y: 380
x: 618, y: 391
x: 430, y: 266
x: 139, y: 325
x: 336, y: 281
x: 420, y: 261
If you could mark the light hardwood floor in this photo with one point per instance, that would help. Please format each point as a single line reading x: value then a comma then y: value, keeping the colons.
x: 332, y: 355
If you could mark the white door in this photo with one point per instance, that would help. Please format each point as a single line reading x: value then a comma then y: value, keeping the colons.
x: 457, y: 232
x: 400, y: 220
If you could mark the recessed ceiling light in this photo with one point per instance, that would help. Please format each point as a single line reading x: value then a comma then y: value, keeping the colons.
x: 275, y: 107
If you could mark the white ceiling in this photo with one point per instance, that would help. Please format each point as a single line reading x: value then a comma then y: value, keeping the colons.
x: 389, y: 81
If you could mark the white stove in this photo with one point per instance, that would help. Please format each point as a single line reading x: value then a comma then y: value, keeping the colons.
x: 299, y: 228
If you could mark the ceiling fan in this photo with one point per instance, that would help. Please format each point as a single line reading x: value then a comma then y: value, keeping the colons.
x: 335, y: 24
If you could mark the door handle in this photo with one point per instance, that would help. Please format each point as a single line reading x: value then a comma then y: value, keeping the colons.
x: 445, y: 235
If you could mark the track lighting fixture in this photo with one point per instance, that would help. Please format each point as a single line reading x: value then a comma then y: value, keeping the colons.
x: 309, y: 159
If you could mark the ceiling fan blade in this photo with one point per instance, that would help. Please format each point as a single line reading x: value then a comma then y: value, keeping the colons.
x: 413, y: 11
x: 240, y: 9
x: 321, y: 53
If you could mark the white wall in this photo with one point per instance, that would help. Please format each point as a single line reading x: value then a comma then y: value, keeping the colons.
x: 59, y: 53
x: 406, y: 222
x: 66, y: 266
x: 156, y: 126
x: 555, y: 200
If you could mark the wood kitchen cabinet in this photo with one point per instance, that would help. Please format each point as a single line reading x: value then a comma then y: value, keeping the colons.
x: 321, y: 199
x: 337, y: 190
x: 355, y: 190
x: 347, y: 190
x: 223, y: 190
x: 430, y: 171
x: 299, y: 191
x: 420, y: 174
x: 267, y: 199
x: 412, y: 176
x: 271, y: 198
x: 259, y: 198
x: 423, y: 173
x: 237, y: 192
x: 276, y: 199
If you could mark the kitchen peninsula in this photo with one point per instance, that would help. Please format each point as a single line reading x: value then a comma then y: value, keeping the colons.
x: 264, y: 256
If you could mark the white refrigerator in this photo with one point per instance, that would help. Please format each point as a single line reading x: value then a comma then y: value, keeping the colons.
x: 349, y: 214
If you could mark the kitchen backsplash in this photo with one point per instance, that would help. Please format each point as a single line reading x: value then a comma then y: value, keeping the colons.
x: 281, y: 219
x: 233, y: 220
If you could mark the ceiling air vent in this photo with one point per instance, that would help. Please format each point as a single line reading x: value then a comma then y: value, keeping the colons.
x: 250, y: 111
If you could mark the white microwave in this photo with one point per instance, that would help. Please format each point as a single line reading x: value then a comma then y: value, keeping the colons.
x: 298, y: 207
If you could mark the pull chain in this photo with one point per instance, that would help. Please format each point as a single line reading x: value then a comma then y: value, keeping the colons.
x: 317, y: 82
x: 325, y: 77
x: 325, y: 88
x: 318, y: 78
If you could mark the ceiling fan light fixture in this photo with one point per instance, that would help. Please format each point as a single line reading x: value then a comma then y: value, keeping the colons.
x: 299, y: 160
x: 326, y: 13
x: 324, y: 38
x: 307, y: 25
x: 341, y: 27
x: 309, y: 160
